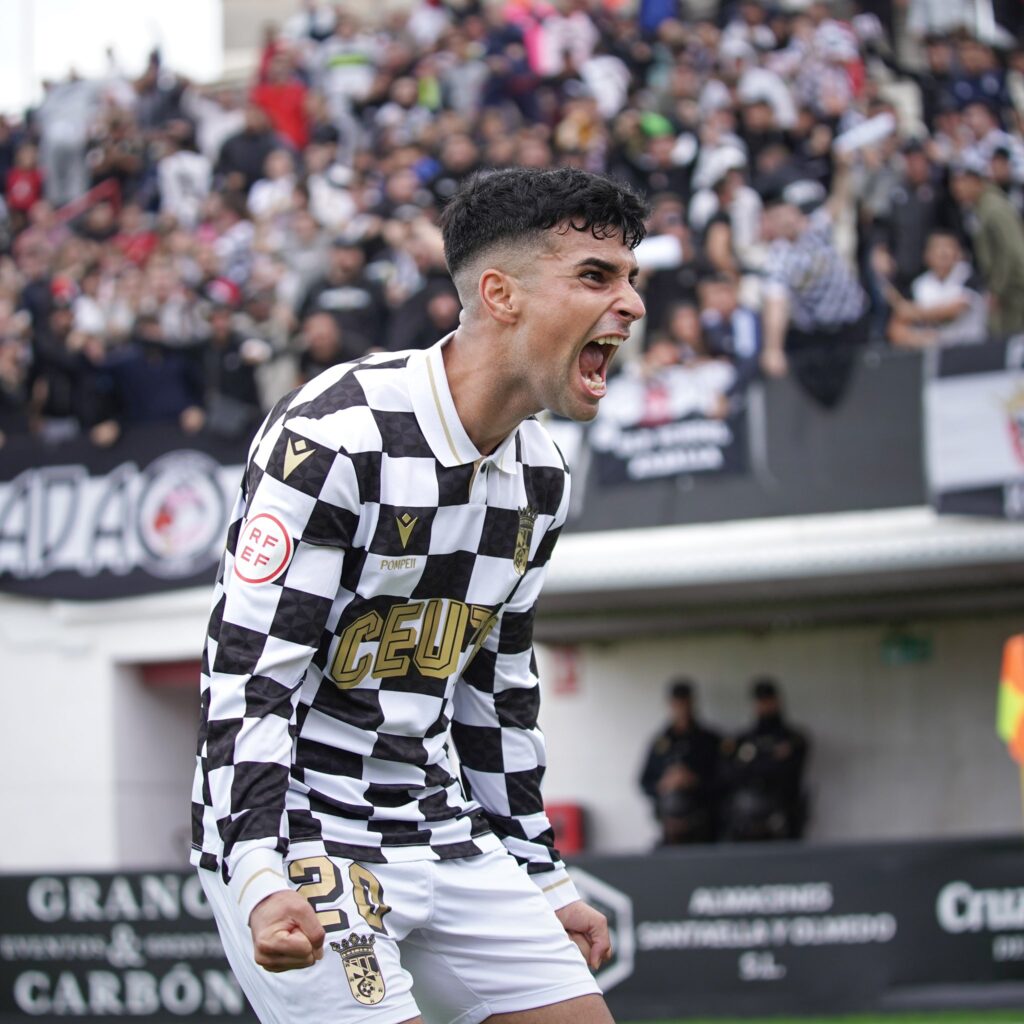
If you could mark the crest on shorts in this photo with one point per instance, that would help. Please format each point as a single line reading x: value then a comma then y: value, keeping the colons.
x: 527, y: 517
x: 361, y: 968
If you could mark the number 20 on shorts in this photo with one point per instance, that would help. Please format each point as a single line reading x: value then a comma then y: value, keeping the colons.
x: 319, y: 880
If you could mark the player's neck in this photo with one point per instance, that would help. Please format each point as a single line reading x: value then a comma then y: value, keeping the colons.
x: 485, y: 402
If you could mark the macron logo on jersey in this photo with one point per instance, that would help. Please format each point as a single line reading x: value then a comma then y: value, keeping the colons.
x: 295, y: 454
x: 405, y: 523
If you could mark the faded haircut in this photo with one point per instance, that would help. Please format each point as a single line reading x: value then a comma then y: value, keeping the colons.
x: 513, y: 208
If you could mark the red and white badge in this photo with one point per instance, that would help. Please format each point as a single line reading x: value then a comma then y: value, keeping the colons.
x: 264, y: 549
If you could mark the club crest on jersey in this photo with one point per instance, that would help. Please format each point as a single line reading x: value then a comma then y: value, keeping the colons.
x: 527, y: 517
x: 365, y: 978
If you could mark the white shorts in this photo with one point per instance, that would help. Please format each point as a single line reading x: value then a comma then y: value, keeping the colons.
x: 454, y: 941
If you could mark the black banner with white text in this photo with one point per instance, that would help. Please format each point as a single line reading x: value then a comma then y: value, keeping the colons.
x: 147, y: 514
x: 756, y: 929
x: 678, y: 421
x: 787, y: 929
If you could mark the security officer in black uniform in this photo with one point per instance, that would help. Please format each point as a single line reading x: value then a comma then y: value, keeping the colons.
x: 681, y: 770
x: 763, y: 774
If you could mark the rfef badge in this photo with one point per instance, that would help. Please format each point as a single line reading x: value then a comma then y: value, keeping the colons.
x: 361, y: 968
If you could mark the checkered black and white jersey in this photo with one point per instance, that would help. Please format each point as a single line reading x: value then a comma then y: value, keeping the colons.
x: 823, y: 290
x: 375, y: 602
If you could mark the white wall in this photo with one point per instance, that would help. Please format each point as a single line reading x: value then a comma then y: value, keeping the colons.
x: 57, y: 742
x: 155, y: 741
x: 899, y: 751
x: 95, y: 767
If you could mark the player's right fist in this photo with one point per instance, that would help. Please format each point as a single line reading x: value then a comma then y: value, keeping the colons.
x: 286, y: 934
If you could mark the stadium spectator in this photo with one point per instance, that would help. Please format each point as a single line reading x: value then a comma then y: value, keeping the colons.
x: 716, y: 114
x: 243, y: 155
x: 64, y: 387
x: 345, y: 66
x: 945, y: 307
x: 14, y: 359
x: 978, y: 76
x: 426, y: 306
x: 917, y: 203
x: 728, y: 216
x: 729, y: 330
x: 217, y: 115
x: 682, y: 332
x: 118, y: 154
x: 229, y: 361
x: 273, y: 195
x: 667, y: 260
x: 988, y: 137
x: 937, y: 17
x: 350, y: 296
x: 283, y: 97
x: 64, y: 119
x: 89, y: 306
x: 321, y: 345
x: 459, y: 158
x: 814, y: 307
x: 763, y: 774
x: 686, y: 372
x: 404, y: 117
x: 184, y: 175
x: 10, y: 139
x: 934, y: 81
x: 1007, y: 177
x: 680, y: 773
x: 135, y: 238
x: 153, y: 381
x: 23, y: 185
x: 997, y: 237
x: 13, y: 387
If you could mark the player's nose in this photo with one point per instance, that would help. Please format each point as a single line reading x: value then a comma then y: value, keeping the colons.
x: 631, y: 306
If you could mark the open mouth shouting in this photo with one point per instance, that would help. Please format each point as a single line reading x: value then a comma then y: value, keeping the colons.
x: 595, y: 359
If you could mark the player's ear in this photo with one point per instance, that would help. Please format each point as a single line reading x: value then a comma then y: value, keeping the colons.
x: 499, y: 294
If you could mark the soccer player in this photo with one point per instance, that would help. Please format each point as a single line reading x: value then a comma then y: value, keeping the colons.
x: 374, y: 609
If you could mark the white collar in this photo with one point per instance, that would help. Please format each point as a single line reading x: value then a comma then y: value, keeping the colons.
x: 438, y: 418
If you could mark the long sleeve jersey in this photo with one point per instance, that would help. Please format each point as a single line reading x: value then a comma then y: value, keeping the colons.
x: 374, y: 605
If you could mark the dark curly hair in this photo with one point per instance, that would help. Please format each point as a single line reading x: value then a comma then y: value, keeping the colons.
x: 512, y: 205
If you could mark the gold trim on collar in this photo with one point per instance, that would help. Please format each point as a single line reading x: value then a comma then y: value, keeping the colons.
x: 440, y: 412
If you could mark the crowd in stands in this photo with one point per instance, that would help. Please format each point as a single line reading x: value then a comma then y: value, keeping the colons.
x: 822, y: 175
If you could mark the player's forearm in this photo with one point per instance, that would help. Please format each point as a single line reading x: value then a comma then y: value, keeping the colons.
x: 775, y: 321
x: 938, y: 314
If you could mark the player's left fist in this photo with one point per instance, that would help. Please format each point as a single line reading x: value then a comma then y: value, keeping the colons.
x: 588, y: 928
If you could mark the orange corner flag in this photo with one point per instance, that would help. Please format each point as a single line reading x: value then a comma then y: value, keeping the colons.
x: 1010, y: 716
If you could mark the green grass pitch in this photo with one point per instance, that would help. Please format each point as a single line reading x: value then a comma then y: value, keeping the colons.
x: 963, y: 1017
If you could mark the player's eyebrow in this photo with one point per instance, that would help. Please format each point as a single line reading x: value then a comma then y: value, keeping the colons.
x: 606, y: 265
